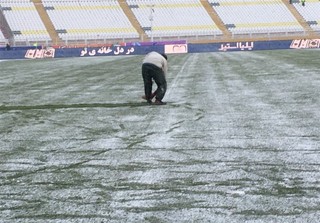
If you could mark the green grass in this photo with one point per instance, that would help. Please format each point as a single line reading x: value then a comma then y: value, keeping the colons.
x: 238, y: 140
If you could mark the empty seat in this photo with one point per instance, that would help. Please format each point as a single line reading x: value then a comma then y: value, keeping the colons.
x: 254, y: 16
x: 168, y: 18
x: 24, y: 21
x: 89, y: 19
x: 311, y: 13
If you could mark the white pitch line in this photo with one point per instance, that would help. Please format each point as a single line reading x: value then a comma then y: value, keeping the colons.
x: 175, y: 80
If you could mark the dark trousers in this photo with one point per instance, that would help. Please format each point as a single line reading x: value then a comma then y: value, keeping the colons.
x: 151, y: 72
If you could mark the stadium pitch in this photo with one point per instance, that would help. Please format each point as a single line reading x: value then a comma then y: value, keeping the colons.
x: 239, y: 140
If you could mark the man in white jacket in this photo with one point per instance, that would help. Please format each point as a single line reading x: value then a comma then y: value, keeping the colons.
x: 155, y: 67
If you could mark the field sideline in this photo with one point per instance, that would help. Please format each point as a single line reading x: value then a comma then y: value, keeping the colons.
x: 238, y: 141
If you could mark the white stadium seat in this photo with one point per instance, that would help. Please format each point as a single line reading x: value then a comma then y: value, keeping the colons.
x: 311, y: 13
x: 25, y: 21
x: 90, y: 19
x: 171, y: 19
x: 174, y: 18
x: 247, y: 16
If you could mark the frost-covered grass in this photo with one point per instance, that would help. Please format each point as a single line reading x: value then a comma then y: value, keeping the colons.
x: 238, y: 140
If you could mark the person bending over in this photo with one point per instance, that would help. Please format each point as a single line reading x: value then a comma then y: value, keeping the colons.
x: 155, y: 67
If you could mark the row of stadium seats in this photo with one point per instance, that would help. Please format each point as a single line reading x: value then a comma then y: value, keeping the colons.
x: 100, y: 19
x: 311, y: 13
x: 174, y: 18
x: 263, y: 16
x: 24, y: 20
x: 105, y: 19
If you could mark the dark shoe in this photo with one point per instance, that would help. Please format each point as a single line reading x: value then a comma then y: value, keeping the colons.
x: 158, y: 102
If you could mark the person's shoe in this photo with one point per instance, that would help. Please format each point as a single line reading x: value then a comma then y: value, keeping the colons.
x: 158, y: 102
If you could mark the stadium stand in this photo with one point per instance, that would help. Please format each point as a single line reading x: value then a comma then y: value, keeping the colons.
x: 24, y: 21
x: 65, y: 21
x: 249, y: 16
x: 89, y: 19
x: 310, y: 13
x: 172, y: 18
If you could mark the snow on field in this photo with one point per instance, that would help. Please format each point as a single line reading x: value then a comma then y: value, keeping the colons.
x: 238, y: 140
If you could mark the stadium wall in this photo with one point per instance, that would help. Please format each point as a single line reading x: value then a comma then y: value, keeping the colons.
x: 143, y: 48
